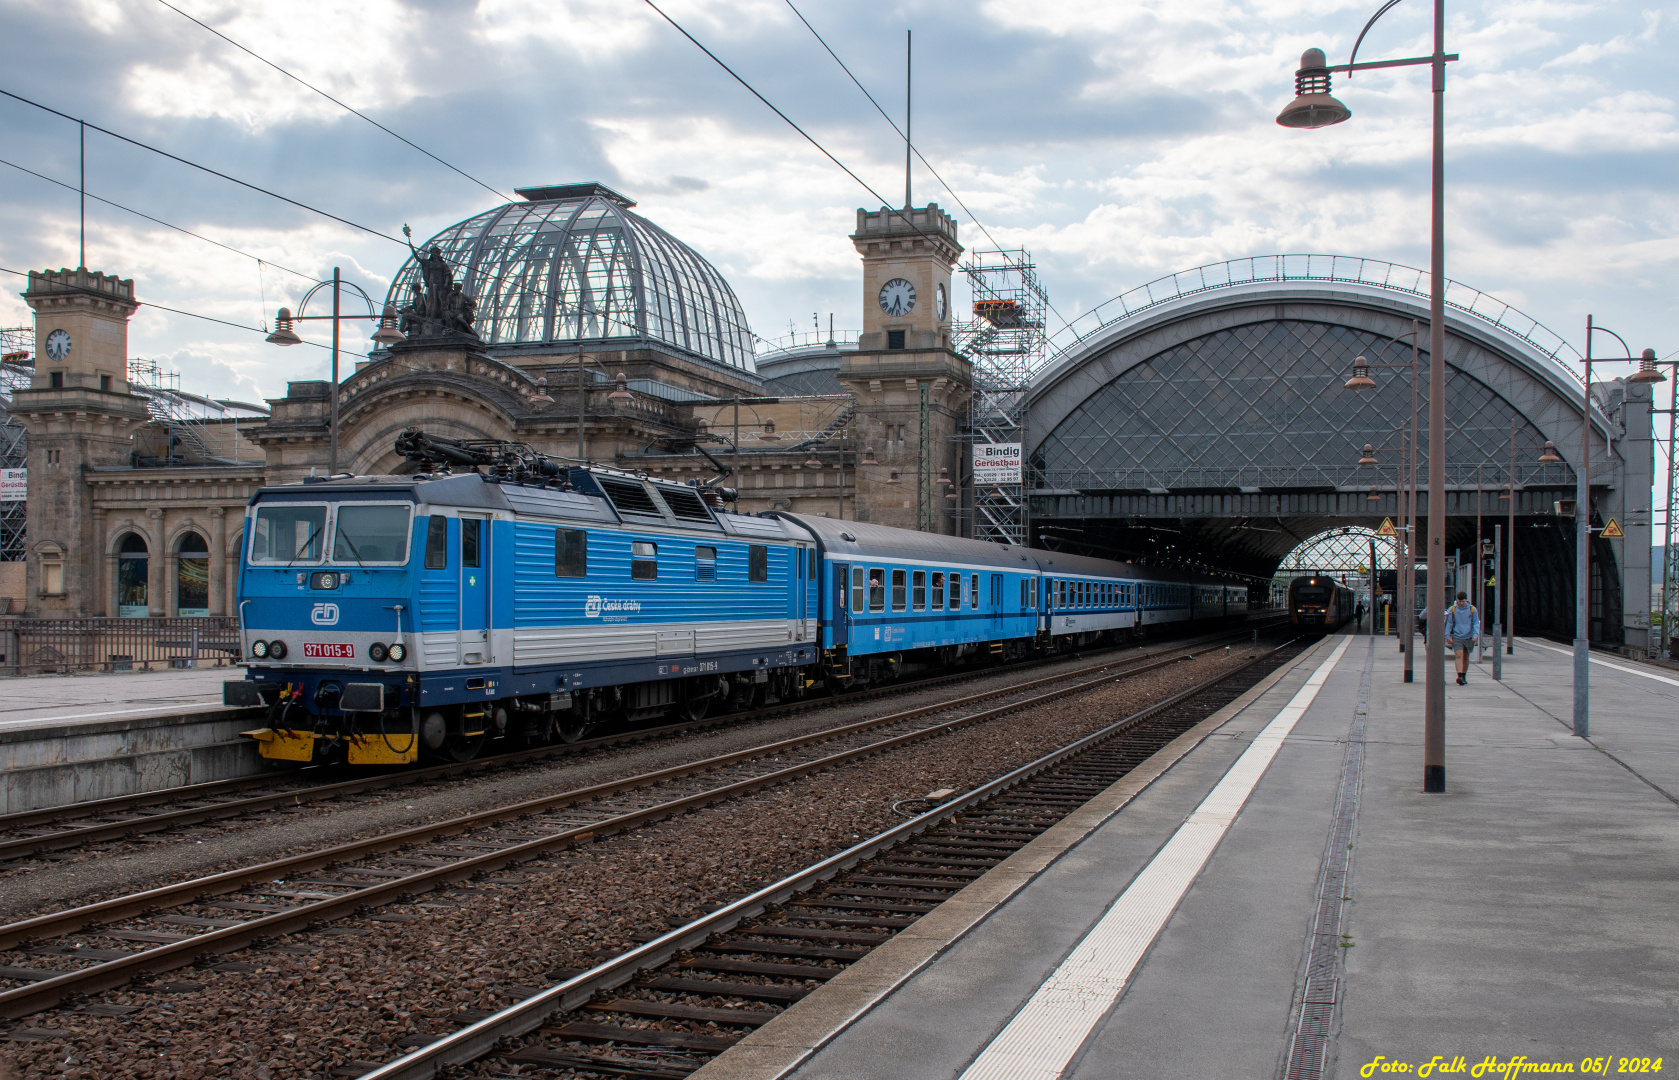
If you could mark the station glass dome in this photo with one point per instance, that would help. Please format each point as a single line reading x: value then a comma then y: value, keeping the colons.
x: 572, y: 263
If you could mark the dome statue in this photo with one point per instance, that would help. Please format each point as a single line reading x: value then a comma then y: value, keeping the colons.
x: 571, y: 263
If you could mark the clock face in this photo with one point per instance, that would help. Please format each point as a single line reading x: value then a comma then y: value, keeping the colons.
x: 939, y: 303
x: 58, y: 345
x: 897, y: 297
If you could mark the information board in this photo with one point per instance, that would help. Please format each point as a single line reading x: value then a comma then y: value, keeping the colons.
x: 996, y: 463
x: 14, y: 485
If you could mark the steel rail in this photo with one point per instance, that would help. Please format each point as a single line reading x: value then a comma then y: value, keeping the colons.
x: 24, y: 1000
x: 481, y: 1038
x: 21, y: 847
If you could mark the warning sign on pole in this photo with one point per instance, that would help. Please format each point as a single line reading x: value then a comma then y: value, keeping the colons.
x: 1387, y: 527
x: 1612, y: 531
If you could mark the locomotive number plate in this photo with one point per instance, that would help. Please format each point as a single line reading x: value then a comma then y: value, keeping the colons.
x: 321, y: 650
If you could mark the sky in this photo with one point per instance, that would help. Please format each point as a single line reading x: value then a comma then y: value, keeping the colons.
x: 1118, y: 142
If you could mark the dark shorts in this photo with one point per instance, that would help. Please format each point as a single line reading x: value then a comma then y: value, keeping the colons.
x: 1458, y: 644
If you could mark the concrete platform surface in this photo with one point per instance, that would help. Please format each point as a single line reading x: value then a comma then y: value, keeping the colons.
x: 1529, y: 912
x: 48, y: 700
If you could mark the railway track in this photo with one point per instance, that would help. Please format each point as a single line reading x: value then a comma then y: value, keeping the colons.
x: 663, y: 1010
x: 99, y: 946
x: 65, y: 828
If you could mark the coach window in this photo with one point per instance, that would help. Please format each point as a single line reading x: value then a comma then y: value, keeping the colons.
x: 921, y: 590
x: 955, y: 591
x: 859, y: 587
x: 757, y: 562
x: 470, y: 528
x: 936, y: 600
x: 437, y: 542
x: 877, y: 589
x: 899, y: 592
x: 644, y: 560
x: 705, y: 564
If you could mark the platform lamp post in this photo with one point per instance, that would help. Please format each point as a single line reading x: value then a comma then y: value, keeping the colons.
x: 1404, y: 548
x: 386, y: 335
x: 1313, y: 107
x: 1583, y: 527
x: 1548, y: 456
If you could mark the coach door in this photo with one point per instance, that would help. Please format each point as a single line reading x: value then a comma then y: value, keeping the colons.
x: 475, y: 590
x: 838, y: 605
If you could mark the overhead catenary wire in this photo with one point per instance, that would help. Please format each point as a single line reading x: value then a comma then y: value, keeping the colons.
x: 205, y: 168
x: 159, y: 221
x: 347, y: 108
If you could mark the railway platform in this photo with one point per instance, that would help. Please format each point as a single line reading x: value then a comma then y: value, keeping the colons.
x: 70, y: 738
x: 1274, y: 896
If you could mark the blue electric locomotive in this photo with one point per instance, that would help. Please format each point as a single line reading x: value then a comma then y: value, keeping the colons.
x: 385, y: 618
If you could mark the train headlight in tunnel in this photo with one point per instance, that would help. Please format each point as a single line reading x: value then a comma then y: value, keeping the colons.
x: 276, y: 650
x: 376, y: 653
x: 398, y: 652
x: 259, y: 649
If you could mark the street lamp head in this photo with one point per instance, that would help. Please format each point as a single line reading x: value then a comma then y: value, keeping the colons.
x: 893, y: 479
x: 813, y: 462
x: 1312, y: 106
x: 1550, y: 456
x: 387, y: 334
x: 283, y: 333
x: 1647, y: 372
x: 621, y: 390
x: 1372, y: 497
x: 1361, y: 379
x: 1369, y: 457
x: 769, y: 434
x: 944, y: 478
x: 541, y: 396
x: 868, y: 456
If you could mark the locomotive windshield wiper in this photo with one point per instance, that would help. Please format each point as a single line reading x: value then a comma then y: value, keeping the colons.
x: 344, y: 536
x: 301, y: 548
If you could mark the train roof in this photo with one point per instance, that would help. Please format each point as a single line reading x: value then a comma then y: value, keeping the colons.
x: 862, y: 540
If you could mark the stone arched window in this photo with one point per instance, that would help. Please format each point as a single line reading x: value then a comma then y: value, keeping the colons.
x: 132, y: 564
x: 192, y: 575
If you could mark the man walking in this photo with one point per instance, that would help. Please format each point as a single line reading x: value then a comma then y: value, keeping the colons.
x: 1463, y: 632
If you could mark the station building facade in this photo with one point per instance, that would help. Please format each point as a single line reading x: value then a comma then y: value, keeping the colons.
x: 598, y: 336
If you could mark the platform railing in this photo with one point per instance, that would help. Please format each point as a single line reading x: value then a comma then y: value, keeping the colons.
x: 61, y: 646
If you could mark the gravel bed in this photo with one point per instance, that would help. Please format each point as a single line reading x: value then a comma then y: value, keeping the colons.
x: 352, y: 992
x: 50, y: 883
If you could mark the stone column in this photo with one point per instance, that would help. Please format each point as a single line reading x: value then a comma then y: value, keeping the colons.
x: 102, y: 602
x: 155, y: 554
x: 218, y: 560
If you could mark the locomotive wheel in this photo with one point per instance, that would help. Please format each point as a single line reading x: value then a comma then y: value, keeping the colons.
x: 462, y: 747
x: 694, y: 708
x: 572, y: 730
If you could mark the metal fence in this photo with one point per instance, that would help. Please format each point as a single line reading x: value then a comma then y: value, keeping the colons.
x: 48, y: 646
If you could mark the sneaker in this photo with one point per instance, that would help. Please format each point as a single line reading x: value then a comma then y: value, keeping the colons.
x: 1462, y: 680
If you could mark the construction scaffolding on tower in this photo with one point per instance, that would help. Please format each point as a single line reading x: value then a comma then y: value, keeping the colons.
x: 17, y: 368
x: 1005, y: 342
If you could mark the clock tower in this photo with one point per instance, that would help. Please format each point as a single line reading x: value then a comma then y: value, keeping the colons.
x: 80, y: 417
x: 911, y: 387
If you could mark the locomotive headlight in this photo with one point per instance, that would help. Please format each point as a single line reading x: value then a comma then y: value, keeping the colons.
x: 398, y: 652
x: 276, y: 650
x: 376, y: 653
x: 259, y: 649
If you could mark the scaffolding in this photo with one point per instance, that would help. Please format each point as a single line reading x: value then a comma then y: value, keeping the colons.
x: 1005, y: 342
x: 16, y: 370
x: 181, y: 415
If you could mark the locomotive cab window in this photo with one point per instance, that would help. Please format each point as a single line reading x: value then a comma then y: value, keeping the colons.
x: 437, y: 543
x: 571, y: 553
x: 471, y: 529
x: 287, y: 533
x: 371, y: 533
x: 705, y: 564
x: 898, y: 590
x: 757, y: 562
x: 644, y: 560
x: 877, y: 589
